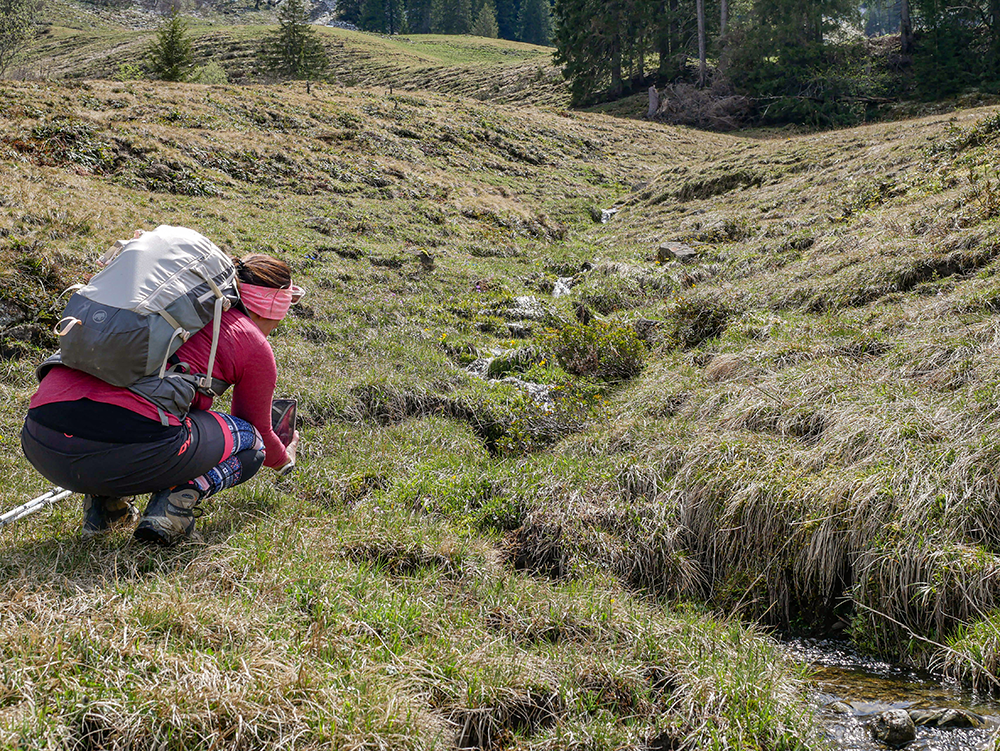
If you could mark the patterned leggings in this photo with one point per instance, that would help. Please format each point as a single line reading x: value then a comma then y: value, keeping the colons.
x: 244, y: 455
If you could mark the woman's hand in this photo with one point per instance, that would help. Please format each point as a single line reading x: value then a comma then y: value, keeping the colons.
x: 292, y: 445
x: 288, y: 466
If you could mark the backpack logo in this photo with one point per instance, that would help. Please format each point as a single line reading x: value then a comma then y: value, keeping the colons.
x: 100, y: 316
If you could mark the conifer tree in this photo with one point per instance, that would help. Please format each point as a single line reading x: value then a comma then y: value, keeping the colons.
x: 905, y: 28
x: 508, y: 14
x: 383, y: 16
x: 171, y: 56
x: 536, y: 22
x: 942, y: 63
x: 17, y: 22
x: 349, y: 11
x: 418, y: 16
x: 294, y: 50
x: 451, y: 16
x: 597, y: 44
x: 485, y: 24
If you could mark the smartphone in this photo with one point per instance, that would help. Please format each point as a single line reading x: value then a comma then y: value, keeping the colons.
x: 283, y: 419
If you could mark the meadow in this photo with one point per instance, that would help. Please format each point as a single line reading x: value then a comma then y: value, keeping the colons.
x: 522, y: 519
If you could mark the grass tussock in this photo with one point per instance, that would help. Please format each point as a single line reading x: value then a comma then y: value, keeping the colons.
x: 412, y: 637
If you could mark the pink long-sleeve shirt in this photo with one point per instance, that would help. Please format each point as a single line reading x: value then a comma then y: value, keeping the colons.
x: 244, y: 359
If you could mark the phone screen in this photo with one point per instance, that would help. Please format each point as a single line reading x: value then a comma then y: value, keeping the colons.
x: 283, y: 419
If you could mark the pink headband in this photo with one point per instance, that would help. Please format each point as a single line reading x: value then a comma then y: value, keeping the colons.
x: 268, y: 302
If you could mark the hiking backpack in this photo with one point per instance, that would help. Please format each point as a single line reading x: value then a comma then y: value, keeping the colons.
x: 154, y: 293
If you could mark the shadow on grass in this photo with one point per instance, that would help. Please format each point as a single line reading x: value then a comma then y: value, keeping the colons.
x: 66, y: 561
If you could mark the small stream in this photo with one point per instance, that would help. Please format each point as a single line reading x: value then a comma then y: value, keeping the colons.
x: 850, y: 689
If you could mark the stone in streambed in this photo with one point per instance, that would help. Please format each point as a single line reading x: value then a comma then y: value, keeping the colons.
x: 840, y: 707
x: 893, y: 727
x: 946, y: 718
x: 676, y: 252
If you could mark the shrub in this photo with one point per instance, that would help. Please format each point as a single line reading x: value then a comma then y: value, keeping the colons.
x: 698, y: 318
x: 210, y: 73
x: 602, y: 350
x: 609, y: 294
x: 528, y: 425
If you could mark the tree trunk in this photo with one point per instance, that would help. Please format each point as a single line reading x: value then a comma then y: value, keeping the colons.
x: 723, y: 17
x: 616, y: 65
x: 702, y: 55
x: 641, y: 58
x: 662, y: 42
x: 994, y: 36
x: 673, y: 34
x: 905, y: 28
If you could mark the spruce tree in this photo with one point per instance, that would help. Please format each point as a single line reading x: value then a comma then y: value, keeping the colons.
x: 485, y: 24
x: 171, y: 56
x: 508, y: 14
x: 589, y: 41
x: 882, y: 17
x: 294, y: 50
x: 350, y: 11
x: 536, y: 22
x: 383, y: 16
x: 942, y: 63
x: 451, y: 16
x: 418, y: 16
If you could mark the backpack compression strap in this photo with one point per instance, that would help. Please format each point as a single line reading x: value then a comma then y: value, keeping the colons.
x: 179, y: 331
x: 222, y: 303
x: 206, y: 382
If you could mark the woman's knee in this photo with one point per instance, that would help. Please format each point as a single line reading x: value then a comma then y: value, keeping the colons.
x: 251, y: 460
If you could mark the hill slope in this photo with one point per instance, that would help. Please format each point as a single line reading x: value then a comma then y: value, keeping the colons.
x: 84, y: 41
x: 380, y: 597
x: 794, y: 423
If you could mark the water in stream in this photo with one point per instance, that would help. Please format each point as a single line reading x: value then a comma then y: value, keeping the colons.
x: 868, y: 687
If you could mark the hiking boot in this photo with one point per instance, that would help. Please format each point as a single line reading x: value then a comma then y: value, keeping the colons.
x: 101, y: 512
x: 170, y: 516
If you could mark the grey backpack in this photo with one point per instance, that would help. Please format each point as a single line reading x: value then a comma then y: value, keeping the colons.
x: 153, y: 294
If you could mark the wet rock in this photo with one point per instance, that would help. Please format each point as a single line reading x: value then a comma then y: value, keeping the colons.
x: 893, y: 727
x: 562, y: 286
x: 840, y: 707
x: 539, y: 392
x: 676, y: 252
x: 519, y: 330
x: 10, y: 314
x: 946, y: 718
x: 526, y: 308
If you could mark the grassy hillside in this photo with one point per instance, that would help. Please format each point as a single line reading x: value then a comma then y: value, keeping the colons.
x: 515, y: 505
x: 84, y: 41
x: 394, y: 593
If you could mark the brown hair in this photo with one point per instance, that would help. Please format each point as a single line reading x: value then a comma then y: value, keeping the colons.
x: 264, y: 271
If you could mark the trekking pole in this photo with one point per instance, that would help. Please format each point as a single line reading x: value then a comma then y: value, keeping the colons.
x: 35, y: 504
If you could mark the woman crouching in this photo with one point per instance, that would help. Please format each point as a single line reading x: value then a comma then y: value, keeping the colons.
x: 109, y: 443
